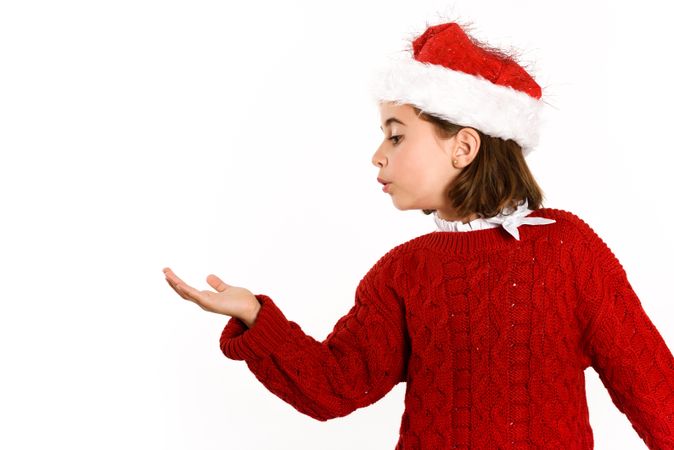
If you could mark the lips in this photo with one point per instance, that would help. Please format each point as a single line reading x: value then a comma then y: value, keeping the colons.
x: 382, y: 181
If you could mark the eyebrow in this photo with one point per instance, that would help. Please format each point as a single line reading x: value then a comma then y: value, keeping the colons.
x: 389, y: 121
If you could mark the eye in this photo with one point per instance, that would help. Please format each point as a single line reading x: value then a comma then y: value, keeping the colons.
x: 395, y: 139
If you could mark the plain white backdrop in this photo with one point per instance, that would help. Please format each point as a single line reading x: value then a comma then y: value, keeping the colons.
x: 236, y: 138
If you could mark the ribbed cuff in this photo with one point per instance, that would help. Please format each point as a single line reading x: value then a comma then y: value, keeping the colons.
x: 270, y: 330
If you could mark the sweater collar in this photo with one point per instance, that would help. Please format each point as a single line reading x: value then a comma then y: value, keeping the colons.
x: 479, y: 240
x: 510, y: 219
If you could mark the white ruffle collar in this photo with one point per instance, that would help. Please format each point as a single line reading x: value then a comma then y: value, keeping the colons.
x: 508, y: 219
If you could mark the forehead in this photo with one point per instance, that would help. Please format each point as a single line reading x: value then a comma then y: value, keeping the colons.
x: 391, y: 113
x: 399, y: 108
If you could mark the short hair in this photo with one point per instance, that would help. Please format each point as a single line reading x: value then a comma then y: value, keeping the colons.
x: 497, y: 178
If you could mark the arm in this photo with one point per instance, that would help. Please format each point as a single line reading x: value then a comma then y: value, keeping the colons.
x: 626, y: 350
x: 360, y: 361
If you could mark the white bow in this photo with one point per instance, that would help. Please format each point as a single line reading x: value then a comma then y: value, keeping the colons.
x: 511, y: 221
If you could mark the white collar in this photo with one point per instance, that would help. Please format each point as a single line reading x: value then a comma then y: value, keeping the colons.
x: 508, y: 219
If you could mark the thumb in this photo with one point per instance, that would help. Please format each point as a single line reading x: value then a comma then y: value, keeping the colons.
x: 217, y: 283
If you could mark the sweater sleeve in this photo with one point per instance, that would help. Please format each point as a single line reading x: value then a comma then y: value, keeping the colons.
x: 360, y: 361
x: 626, y: 350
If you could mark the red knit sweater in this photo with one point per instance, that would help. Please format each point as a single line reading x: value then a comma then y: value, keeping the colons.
x: 491, y: 335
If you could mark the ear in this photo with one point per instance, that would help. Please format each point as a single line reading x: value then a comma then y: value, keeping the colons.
x: 467, y: 145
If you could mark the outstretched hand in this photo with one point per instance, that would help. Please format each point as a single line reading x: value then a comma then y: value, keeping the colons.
x: 229, y: 300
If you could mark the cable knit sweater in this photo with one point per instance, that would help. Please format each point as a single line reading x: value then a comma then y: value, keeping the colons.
x: 491, y: 335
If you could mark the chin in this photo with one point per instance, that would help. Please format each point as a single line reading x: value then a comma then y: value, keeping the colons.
x: 402, y: 206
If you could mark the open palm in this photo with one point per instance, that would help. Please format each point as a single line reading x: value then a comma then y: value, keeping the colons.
x: 229, y: 300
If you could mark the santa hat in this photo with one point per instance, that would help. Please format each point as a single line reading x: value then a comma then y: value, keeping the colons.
x: 448, y: 75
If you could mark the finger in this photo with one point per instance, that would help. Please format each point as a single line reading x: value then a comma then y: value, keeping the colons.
x: 172, y: 276
x: 216, y: 283
x: 177, y: 289
x: 186, y: 291
x: 195, y: 295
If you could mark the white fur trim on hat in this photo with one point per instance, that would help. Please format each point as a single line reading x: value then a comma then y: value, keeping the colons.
x: 460, y: 98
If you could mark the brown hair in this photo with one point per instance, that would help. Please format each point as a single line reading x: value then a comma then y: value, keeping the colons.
x: 498, y: 177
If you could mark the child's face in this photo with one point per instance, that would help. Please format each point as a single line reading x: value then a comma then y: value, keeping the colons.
x: 419, y: 163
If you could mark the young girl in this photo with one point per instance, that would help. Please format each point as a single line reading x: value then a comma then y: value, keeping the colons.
x: 491, y: 319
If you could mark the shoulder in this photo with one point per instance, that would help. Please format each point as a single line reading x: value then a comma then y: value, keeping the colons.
x: 566, y: 220
x: 568, y: 223
x: 582, y: 238
x: 390, y: 272
x: 391, y: 261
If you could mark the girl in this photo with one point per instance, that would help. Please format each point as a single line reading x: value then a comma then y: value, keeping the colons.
x: 492, y: 319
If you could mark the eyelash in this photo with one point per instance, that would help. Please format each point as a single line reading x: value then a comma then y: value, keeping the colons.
x: 395, y: 137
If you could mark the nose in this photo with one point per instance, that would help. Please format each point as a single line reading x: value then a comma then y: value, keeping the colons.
x: 378, y: 157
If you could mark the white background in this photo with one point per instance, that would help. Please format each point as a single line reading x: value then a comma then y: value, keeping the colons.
x: 236, y: 138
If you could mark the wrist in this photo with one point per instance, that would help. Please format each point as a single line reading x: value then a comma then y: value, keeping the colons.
x: 250, y: 317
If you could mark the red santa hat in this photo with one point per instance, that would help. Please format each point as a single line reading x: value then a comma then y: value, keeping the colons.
x: 448, y: 75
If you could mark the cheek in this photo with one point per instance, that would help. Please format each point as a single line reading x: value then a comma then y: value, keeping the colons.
x: 409, y: 164
x: 417, y: 170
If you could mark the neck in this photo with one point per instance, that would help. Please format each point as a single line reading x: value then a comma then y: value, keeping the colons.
x: 451, y: 217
